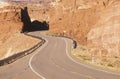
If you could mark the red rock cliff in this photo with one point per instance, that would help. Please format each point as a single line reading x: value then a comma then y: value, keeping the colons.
x: 11, y: 40
x: 94, y: 23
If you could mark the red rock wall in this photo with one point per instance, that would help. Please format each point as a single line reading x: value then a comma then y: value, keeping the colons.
x: 11, y: 40
x: 105, y: 36
x: 94, y: 23
x: 10, y: 20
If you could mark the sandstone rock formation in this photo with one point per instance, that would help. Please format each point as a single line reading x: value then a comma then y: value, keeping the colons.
x: 105, y: 36
x: 94, y: 23
x: 11, y: 40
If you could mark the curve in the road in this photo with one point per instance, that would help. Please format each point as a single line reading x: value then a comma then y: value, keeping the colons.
x: 32, y: 58
x: 67, y: 53
x: 55, y: 62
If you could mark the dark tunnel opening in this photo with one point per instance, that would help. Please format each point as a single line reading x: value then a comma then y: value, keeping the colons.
x: 29, y: 26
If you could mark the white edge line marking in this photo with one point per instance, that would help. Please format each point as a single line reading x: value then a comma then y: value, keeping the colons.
x: 32, y: 58
x: 84, y: 64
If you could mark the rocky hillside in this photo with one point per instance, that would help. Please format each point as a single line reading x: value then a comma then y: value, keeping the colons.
x: 105, y: 36
x: 11, y: 40
x: 94, y: 23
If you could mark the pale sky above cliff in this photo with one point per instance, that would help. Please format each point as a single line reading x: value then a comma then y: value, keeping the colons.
x: 23, y: 0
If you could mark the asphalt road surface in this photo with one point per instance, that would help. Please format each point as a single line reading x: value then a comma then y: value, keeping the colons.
x: 53, y: 61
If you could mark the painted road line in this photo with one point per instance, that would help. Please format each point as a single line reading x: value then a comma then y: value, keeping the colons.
x: 44, y: 45
x: 67, y: 53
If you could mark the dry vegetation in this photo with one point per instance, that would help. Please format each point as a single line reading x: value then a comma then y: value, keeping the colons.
x: 109, y: 62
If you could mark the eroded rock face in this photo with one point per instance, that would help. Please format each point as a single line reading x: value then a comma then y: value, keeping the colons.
x: 3, y: 4
x: 105, y: 36
x: 11, y: 40
x: 95, y: 23
x: 10, y: 18
x: 74, y: 18
x: 10, y: 23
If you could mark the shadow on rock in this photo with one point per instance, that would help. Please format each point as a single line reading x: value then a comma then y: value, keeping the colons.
x: 36, y: 25
x: 29, y: 26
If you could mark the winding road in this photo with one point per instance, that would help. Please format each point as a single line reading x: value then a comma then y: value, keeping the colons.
x: 53, y: 61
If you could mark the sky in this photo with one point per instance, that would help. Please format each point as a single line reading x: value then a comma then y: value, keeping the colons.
x: 22, y: 0
x: 27, y: 0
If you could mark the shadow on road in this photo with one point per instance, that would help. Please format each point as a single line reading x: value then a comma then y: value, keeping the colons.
x: 29, y: 26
